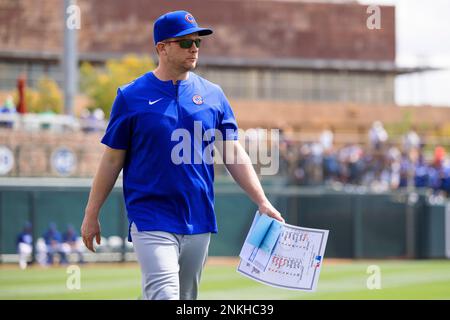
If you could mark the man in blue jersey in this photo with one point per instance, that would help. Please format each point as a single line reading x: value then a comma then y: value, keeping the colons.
x: 160, y: 129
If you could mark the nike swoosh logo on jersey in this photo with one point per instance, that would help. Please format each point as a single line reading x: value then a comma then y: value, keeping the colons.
x: 150, y: 102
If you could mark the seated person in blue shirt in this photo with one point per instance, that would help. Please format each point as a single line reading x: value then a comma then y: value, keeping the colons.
x: 25, y: 245
x: 53, y: 241
x: 71, y: 244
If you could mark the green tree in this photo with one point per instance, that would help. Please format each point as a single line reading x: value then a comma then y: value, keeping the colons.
x: 50, y: 97
x: 399, y: 128
x: 100, y: 84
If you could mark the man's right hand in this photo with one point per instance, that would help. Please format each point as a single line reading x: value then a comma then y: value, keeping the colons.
x: 90, y: 229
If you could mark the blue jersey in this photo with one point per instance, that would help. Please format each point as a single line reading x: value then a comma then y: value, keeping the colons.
x: 52, y: 235
x: 70, y: 237
x: 25, y: 237
x: 167, y: 129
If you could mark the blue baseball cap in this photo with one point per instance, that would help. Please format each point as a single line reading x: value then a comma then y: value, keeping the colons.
x: 176, y: 24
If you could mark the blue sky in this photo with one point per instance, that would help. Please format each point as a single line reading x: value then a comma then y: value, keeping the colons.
x: 423, y: 38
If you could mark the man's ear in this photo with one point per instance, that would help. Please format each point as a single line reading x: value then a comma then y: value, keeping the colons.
x: 160, y: 48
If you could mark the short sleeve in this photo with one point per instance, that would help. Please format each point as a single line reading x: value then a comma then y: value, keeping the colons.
x: 118, y: 132
x: 227, y: 125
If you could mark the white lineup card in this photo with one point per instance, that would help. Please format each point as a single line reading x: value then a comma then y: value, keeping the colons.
x: 295, y: 260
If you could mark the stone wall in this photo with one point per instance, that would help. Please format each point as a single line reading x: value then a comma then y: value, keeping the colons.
x: 33, y: 153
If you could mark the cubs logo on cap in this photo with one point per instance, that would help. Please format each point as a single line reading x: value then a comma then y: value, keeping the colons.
x: 197, y: 99
x: 189, y: 18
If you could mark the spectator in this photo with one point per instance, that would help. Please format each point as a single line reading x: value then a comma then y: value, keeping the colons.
x: 330, y: 166
x: 434, y: 174
x: 405, y: 170
x: 316, y: 159
x: 53, y: 241
x: 93, y: 121
x: 25, y: 245
x: 99, y: 115
x: 439, y: 156
x: 393, y: 161
x: 421, y: 177
x: 445, y: 178
x: 377, y: 135
x: 355, y: 164
x: 326, y: 139
x: 288, y: 152
x: 411, y: 140
x: 7, y: 110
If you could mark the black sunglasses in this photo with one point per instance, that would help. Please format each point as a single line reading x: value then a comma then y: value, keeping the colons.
x: 186, y: 43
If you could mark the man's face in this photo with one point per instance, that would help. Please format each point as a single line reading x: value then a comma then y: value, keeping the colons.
x: 181, y: 59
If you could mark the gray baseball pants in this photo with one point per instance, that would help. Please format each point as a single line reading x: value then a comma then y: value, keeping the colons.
x: 171, y: 264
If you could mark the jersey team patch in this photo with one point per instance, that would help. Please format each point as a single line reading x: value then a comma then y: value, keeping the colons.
x: 197, y: 99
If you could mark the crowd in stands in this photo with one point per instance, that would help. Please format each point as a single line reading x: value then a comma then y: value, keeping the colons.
x: 381, y: 165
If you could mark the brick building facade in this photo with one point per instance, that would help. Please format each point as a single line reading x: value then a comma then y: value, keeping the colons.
x: 261, y: 50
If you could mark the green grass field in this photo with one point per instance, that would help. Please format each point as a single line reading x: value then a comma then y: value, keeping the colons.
x: 338, y: 280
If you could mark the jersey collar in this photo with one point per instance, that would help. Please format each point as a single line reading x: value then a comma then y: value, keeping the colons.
x: 169, y: 83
